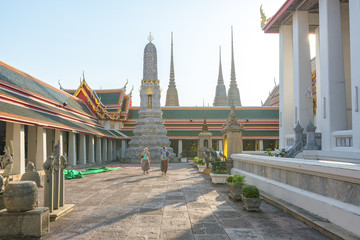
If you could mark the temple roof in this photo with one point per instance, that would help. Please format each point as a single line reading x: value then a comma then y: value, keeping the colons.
x: 284, y: 15
x: 27, y: 100
x: 105, y: 104
x: 273, y: 98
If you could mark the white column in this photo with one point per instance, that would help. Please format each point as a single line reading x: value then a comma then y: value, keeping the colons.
x: 59, y: 137
x: 41, y: 154
x: 318, y: 83
x: 114, y: 151
x: 82, y: 149
x: 50, y: 140
x: 261, y: 145
x: 110, y: 150
x: 104, y: 150
x: 332, y: 72
x: 91, y: 149
x: 221, y: 148
x: 72, y: 149
x: 98, y: 150
x: 354, y: 12
x: 180, y: 147
x: 31, y: 142
x: 302, y: 70
x: 16, y: 133
x: 344, y: 13
x: 286, y: 85
x: 123, y: 148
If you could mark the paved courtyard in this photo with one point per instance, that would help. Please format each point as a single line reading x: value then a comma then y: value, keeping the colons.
x: 125, y: 204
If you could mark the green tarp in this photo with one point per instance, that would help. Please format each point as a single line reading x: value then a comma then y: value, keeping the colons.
x: 72, y: 174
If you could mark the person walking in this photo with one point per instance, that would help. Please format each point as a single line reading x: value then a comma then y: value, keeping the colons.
x: 145, y: 160
x: 164, y: 155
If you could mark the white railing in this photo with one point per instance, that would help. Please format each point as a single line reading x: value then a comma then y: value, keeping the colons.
x: 342, y: 139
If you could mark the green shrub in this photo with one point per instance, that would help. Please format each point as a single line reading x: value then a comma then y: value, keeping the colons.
x: 250, y: 191
x: 268, y: 151
x: 218, y: 166
x: 229, y: 179
x: 236, y: 179
x: 199, y: 161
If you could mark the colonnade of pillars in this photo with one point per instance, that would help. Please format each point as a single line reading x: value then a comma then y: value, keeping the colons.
x: 81, y: 149
x: 337, y: 73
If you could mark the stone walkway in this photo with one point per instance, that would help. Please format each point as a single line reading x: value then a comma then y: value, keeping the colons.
x: 125, y: 204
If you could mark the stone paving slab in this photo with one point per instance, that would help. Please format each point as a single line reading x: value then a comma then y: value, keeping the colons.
x: 125, y: 204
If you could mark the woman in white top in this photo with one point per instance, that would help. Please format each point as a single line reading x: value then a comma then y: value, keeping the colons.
x: 145, y: 160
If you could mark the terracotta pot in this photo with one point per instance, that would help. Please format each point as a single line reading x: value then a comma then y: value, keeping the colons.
x: 21, y: 196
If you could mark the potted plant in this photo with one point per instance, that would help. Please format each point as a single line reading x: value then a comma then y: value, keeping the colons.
x: 183, y: 156
x: 219, y: 173
x: 235, y: 183
x: 200, y: 164
x: 196, y: 159
x: 251, y: 198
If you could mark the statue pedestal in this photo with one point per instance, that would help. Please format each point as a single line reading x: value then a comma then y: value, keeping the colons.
x: 61, y: 211
x: 30, y: 224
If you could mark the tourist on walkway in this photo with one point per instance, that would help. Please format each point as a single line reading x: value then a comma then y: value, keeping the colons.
x: 164, y: 155
x: 145, y: 160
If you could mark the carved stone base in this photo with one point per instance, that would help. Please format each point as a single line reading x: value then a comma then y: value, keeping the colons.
x: 62, y: 211
x: 251, y: 204
x: 235, y: 192
x: 30, y: 224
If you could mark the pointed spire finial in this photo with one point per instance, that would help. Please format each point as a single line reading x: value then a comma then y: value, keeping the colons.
x: 150, y: 37
x: 126, y: 84
x: 172, y: 98
x: 171, y: 38
x: 60, y: 85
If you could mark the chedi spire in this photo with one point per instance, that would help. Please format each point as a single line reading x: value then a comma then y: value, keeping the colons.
x: 233, y: 93
x: 172, y: 98
x: 220, y: 95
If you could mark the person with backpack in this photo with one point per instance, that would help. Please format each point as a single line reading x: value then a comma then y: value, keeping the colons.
x: 145, y: 161
x: 164, y: 156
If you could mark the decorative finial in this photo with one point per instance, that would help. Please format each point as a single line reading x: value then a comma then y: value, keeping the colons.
x: 126, y: 83
x: 150, y: 37
x: 61, y: 88
x: 264, y: 20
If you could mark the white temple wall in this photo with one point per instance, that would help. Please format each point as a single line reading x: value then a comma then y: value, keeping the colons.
x: 306, y: 184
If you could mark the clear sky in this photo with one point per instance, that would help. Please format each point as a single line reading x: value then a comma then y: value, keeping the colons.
x: 59, y: 39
